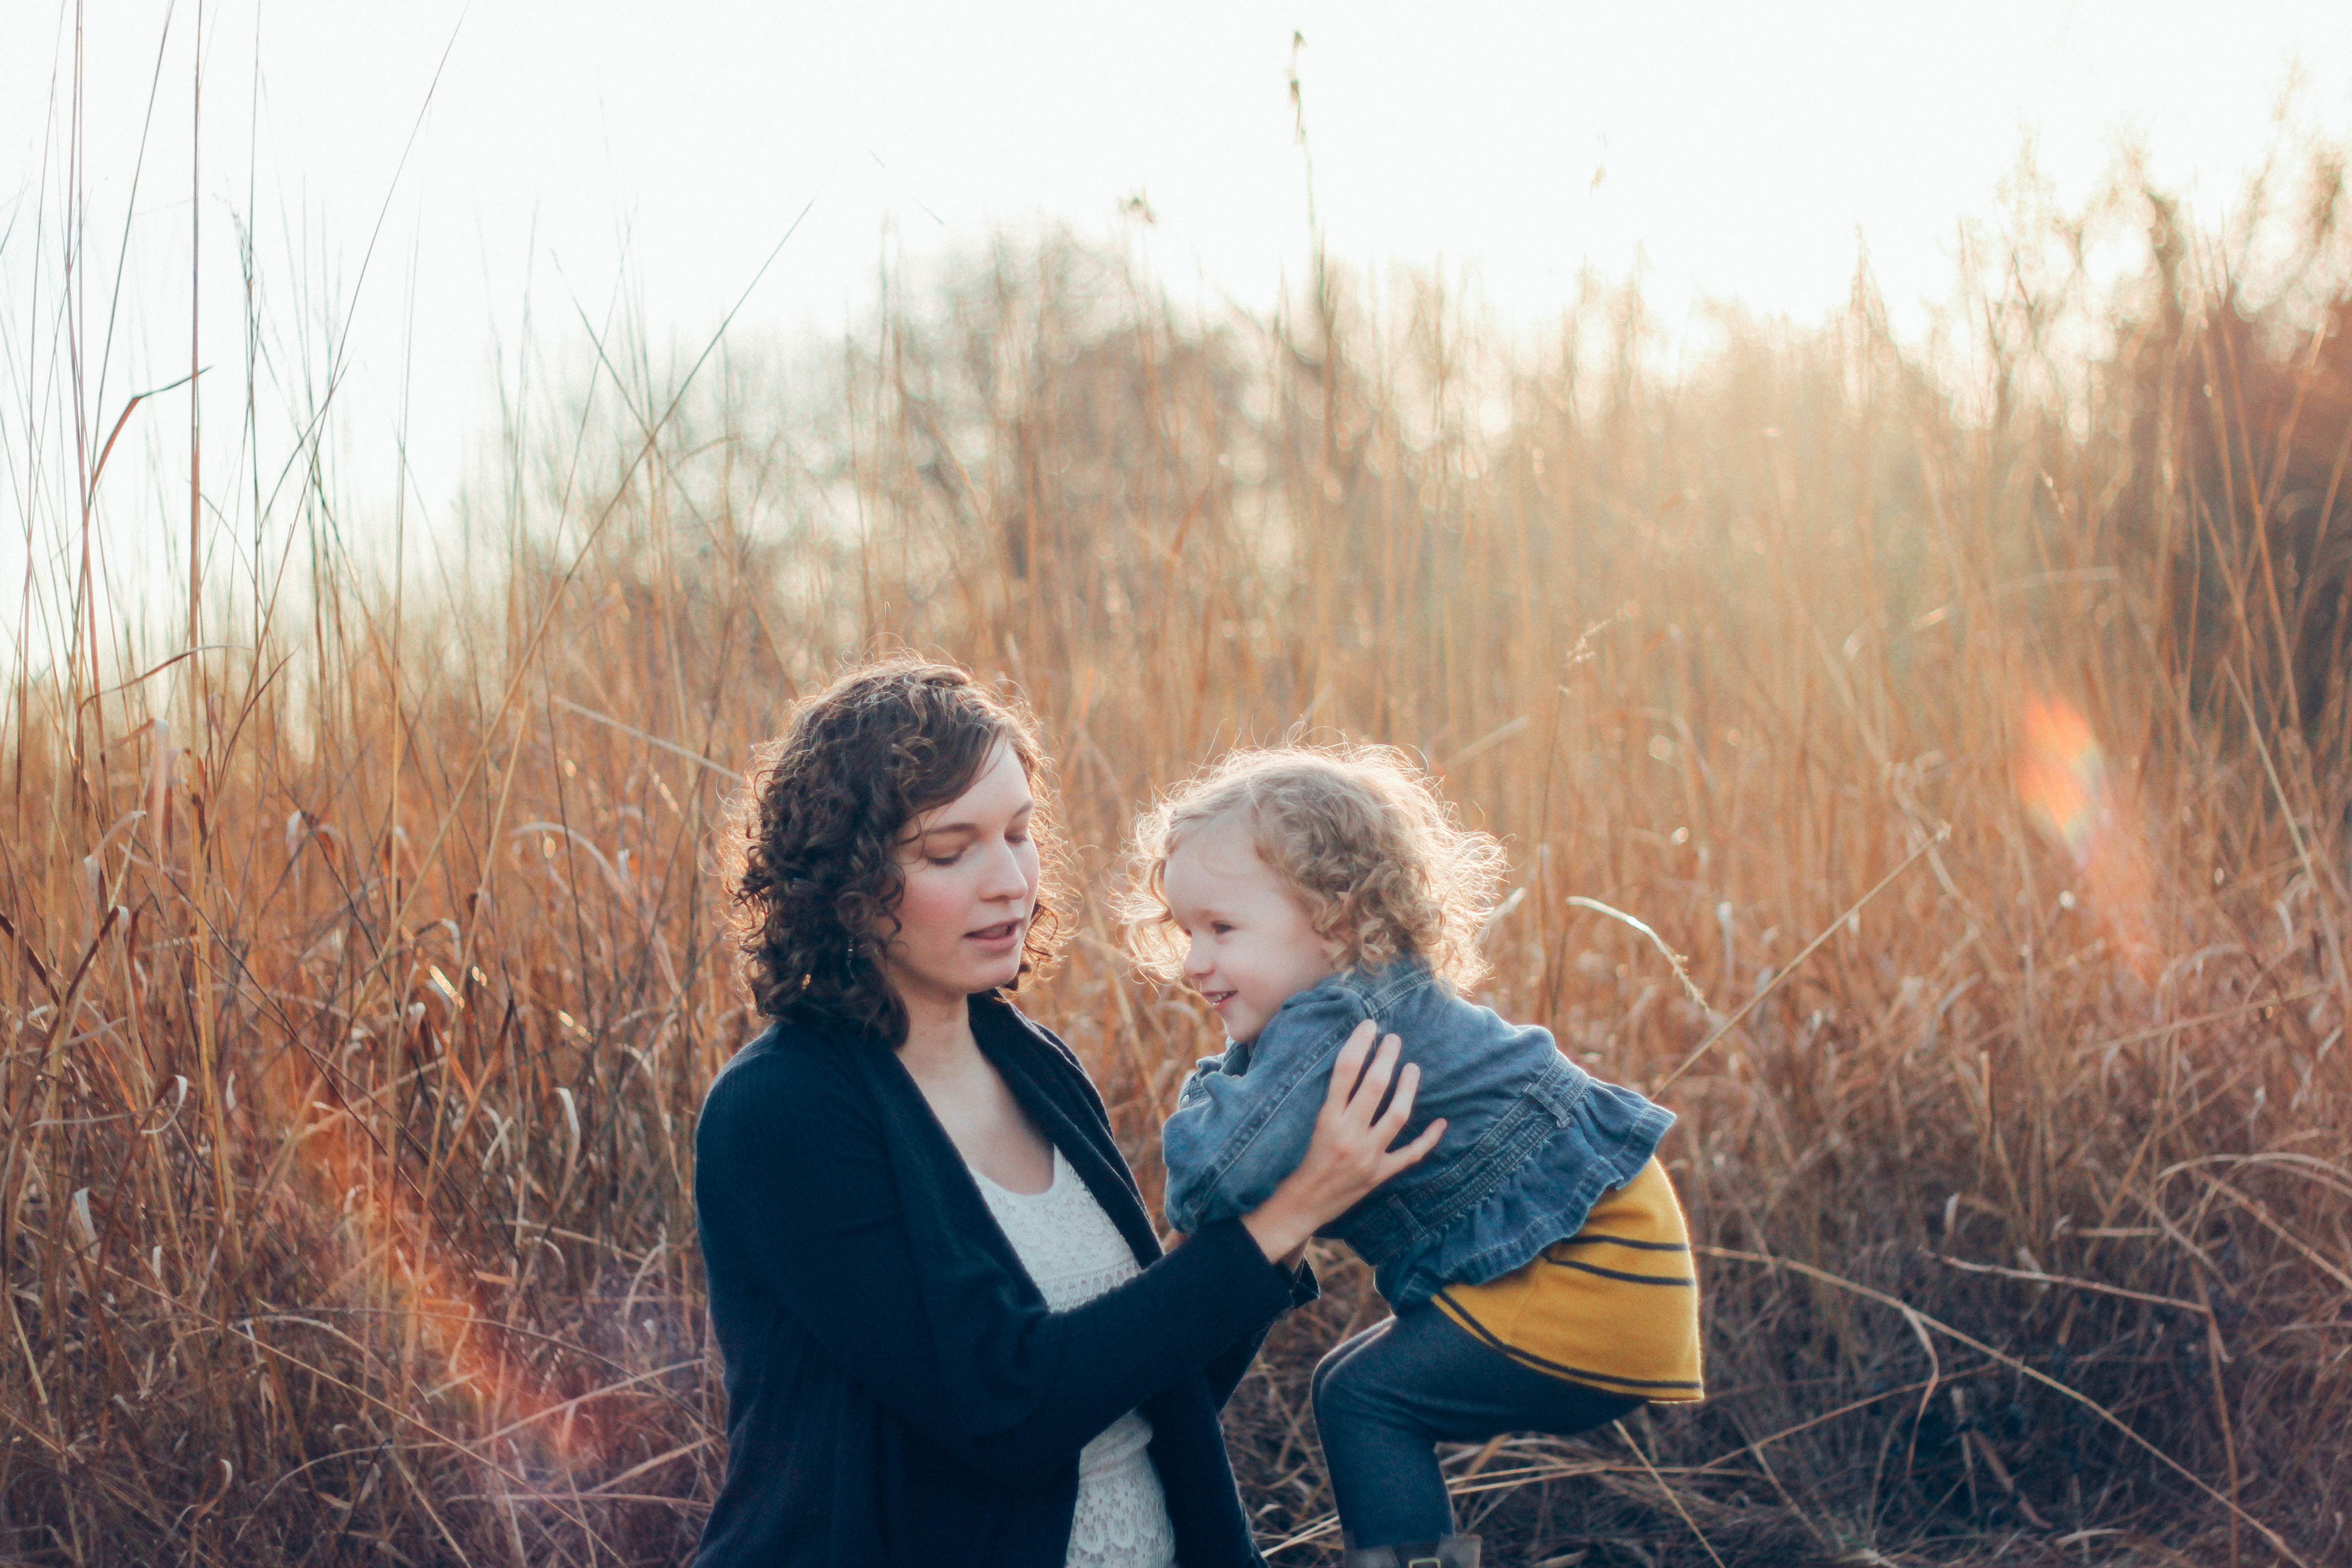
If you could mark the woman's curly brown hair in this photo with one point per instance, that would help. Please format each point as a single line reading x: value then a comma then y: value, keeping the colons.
x: 813, y: 834
x: 1375, y: 858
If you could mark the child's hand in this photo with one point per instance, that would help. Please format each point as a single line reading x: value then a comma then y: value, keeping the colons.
x: 1350, y: 1154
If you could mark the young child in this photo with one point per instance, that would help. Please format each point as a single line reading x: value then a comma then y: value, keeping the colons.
x: 1536, y: 1260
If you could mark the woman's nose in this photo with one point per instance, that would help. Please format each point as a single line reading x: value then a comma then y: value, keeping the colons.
x: 1003, y: 876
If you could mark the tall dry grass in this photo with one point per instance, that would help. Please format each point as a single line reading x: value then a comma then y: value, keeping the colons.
x: 360, y: 986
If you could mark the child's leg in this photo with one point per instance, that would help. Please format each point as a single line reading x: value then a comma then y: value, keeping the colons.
x: 1386, y: 1397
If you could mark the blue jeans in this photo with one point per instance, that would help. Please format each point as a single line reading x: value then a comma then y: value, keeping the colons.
x: 1385, y: 1399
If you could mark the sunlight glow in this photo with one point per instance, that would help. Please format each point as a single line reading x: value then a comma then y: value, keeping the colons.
x: 2076, y: 799
x: 2062, y: 777
x: 530, y: 1432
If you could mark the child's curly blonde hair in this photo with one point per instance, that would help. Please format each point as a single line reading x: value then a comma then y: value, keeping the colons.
x: 1374, y: 857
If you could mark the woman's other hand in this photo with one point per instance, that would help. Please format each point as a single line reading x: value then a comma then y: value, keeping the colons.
x: 1350, y: 1155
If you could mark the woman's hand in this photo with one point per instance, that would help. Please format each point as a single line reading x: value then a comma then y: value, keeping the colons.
x: 1350, y: 1155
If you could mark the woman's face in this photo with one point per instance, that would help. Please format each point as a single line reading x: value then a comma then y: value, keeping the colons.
x: 970, y: 875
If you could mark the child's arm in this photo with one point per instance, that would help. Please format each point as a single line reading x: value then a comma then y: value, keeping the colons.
x: 1245, y: 1119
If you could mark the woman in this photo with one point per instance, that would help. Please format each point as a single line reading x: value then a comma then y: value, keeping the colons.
x: 950, y: 1336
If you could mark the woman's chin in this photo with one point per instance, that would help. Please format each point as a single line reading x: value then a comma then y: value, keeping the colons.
x: 993, y: 974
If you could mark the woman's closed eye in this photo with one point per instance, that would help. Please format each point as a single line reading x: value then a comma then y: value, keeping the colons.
x: 952, y: 856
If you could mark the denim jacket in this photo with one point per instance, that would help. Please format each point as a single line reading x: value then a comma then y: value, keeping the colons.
x: 1531, y: 1140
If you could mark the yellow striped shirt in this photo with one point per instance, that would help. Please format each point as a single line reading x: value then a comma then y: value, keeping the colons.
x: 1615, y: 1305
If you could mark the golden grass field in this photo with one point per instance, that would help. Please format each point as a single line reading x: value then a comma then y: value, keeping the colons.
x: 362, y: 978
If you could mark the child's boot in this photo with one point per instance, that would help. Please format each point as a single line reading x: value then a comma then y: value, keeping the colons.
x: 1454, y: 1551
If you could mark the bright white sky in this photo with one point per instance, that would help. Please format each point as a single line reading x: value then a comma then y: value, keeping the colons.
x: 1745, y: 147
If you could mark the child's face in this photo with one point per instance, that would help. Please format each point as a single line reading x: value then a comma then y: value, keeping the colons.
x: 1252, y: 946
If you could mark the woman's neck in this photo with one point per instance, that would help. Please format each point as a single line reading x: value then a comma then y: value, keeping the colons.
x: 939, y: 1034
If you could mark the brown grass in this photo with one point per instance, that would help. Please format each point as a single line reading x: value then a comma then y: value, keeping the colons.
x: 359, y: 988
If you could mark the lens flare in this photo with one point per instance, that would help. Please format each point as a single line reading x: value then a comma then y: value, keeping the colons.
x: 2062, y: 777
x: 2073, y: 795
x: 443, y: 1319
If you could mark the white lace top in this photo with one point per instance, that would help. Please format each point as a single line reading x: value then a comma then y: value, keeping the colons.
x: 1074, y: 1254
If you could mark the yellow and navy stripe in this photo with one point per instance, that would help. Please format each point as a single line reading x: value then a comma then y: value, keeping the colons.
x: 1615, y: 1305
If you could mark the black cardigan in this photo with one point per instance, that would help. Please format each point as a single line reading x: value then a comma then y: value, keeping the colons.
x: 896, y: 1392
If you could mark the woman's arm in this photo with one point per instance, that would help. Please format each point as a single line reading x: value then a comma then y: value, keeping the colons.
x: 794, y: 1189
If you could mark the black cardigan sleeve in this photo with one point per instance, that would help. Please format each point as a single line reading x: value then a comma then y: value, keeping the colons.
x: 795, y: 1181
x: 1224, y: 1371
x: 1228, y: 1366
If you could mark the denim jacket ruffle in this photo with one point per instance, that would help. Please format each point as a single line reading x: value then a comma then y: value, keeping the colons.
x: 1532, y: 1141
